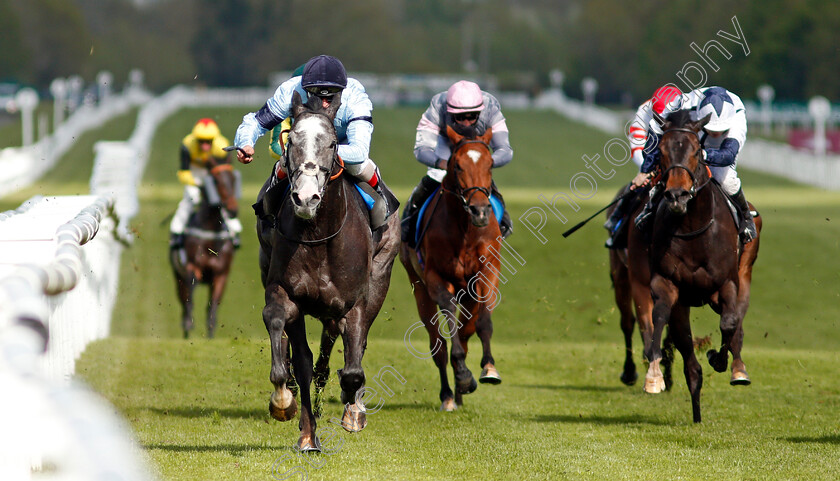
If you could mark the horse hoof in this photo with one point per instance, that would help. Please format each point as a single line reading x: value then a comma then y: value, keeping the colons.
x: 308, y: 444
x: 448, y: 405
x: 629, y: 379
x: 489, y: 375
x: 740, y: 378
x: 654, y: 385
x: 354, y: 419
x: 715, y: 361
x: 282, y: 407
x: 467, y: 385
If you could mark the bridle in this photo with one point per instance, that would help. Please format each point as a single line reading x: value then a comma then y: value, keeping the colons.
x: 294, y: 173
x: 691, y: 174
x: 465, y: 195
x: 694, y: 188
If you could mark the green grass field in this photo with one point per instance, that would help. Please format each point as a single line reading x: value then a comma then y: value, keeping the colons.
x: 199, y: 407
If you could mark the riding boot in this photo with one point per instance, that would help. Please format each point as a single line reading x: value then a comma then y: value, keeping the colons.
x: 646, y: 214
x: 617, y: 222
x: 505, y: 224
x: 384, y: 201
x: 418, y: 197
x: 748, y: 231
x: 176, y: 241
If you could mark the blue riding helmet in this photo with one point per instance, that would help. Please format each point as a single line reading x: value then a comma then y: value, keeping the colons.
x: 324, y: 76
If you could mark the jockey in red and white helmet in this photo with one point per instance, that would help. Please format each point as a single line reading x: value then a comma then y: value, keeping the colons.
x: 722, y: 138
x: 665, y: 99
x: 464, y: 107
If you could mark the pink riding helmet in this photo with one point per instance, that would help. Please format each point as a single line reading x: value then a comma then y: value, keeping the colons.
x: 464, y: 96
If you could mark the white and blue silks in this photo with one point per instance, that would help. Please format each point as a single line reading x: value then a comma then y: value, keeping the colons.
x: 353, y: 121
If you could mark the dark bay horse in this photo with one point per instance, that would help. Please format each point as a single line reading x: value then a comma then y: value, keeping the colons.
x: 694, y: 257
x: 318, y: 257
x: 208, y: 245
x: 458, y: 265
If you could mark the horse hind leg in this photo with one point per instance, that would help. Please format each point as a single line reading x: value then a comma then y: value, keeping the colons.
x: 302, y: 361
x: 322, y: 366
x: 623, y: 300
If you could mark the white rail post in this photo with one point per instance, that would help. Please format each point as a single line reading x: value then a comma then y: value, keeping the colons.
x: 58, y: 89
x: 765, y: 95
x: 589, y: 86
x: 27, y: 100
x: 819, y: 108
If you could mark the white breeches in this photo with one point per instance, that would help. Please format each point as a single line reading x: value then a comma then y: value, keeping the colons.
x: 192, y: 196
x: 727, y: 177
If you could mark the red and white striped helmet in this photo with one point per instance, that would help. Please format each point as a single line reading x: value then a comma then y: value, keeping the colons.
x: 666, y: 99
x: 464, y: 96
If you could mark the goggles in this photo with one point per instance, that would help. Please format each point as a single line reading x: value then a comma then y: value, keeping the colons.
x: 319, y: 91
x: 470, y: 116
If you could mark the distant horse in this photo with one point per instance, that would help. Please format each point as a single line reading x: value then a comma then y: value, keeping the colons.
x: 318, y: 257
x: 694, y: 257
x: 208, y: 245
x: 458, y: 265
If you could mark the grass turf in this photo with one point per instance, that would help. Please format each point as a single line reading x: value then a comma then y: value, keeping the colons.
x: 199, y: 407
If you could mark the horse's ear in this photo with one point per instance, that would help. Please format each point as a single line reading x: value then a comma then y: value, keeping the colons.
x: 455, y: 137
x: 698, y: 125
x: 332, y: 110
x: 488, y: 134
x: 297, y: 104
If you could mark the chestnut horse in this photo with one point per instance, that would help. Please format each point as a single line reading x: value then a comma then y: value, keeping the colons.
x: 456, y: 265
x: 318, y: 257
x: 208, y: 245
x: 694, y: 257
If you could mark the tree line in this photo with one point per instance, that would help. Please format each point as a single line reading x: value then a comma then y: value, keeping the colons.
x: 630, y: 48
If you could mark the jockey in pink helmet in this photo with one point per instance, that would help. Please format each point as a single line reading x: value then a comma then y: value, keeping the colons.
x: 465, y: 108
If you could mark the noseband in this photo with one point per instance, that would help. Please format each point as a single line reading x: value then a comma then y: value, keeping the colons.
x: 465, y: 195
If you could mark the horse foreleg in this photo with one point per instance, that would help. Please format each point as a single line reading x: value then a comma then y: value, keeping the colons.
x: 443, y: 294
x: 185, y: 291
x: 302, y: 361
x: 680, y: 334
x: 322, y: 367
x: 352, y: 377
x: 665, y: 295
x: 278, y: 310
x: 217, y: 290
x: 729, y: 324
x: 739, y: 369
x: 484, y: 330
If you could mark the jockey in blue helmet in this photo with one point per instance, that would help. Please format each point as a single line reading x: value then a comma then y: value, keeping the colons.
x: 323, y: 77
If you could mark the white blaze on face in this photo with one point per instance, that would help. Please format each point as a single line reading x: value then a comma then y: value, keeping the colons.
x: 306, y: 185
x: 474, y: 155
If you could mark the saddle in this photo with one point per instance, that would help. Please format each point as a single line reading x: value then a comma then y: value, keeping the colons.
x: 495, y: 203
